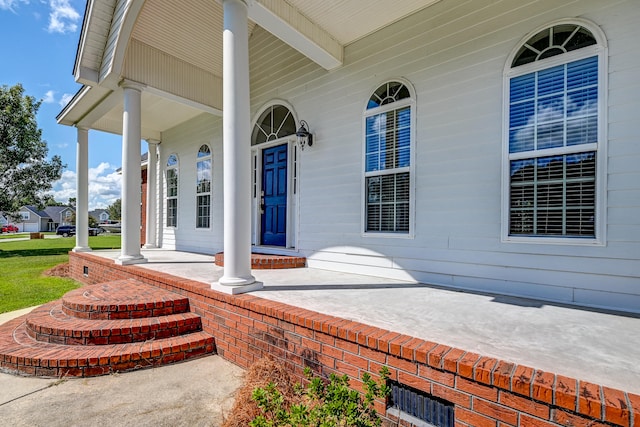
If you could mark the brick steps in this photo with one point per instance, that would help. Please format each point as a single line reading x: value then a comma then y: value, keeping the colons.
x: 98, y: 329
x: 50, y: 323
x: 268, y: 262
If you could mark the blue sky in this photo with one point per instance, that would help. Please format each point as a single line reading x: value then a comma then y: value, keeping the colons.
x: 39, y: 39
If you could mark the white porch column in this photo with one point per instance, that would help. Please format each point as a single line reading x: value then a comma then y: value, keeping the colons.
x: 152, y: 195
x: 82, y: 191
x: 131, y: 134
x: 236, y: 127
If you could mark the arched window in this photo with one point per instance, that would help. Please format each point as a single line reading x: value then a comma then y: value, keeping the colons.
x: 172, y: 191
x: 388, y: 145
x: 274, y: 123
x: 553, y: 134
x: 203, y: 187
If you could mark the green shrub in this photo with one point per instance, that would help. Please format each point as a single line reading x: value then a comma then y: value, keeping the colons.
x: 322, y: 404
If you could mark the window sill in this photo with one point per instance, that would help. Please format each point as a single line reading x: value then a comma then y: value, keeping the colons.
x: 389, y: 235
x: 568, y: 241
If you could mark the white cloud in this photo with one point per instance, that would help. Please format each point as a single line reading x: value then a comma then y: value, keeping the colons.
x: 11, y: 4
x: 63, y: 17
x: 65, y: 98
x: 49, y: 97
x: 104, y: 186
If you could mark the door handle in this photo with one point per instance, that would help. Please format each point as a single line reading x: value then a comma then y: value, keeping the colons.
x: 262, y: 205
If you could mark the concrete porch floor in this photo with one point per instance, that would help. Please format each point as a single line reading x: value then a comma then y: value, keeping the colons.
x: 591, y: 345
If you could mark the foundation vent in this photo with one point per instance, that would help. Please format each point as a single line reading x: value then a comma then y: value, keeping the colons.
x: 419, y: 408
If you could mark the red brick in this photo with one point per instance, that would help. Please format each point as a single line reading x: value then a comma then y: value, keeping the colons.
x: 450, y: 362
x: 590, y: 400
x: 495, y: 411
x: 423, y: 350
x: 437, y: 355
x: 474, y: 419
x: 414, y: 381
x: 347, y: 346
x: 437, y: 375
x: 408, y: 350
x: 543, y: 383
x: 527, y: 421
x: 451, y: 395
x: 405, y: 365
x: 502, y: 375
x: 373, y: 355
x: 383, y: 341
x: 466, y: 364
x: 521, y: 380
x: 332, y: 352
x: 566, y: 393
x: 571, y: 420
x: 483, y: 369
x: 634, y: 401
x: 616, y: 408
x: 481, y: 390
x: 357, y: 361
x: 347, y: 369
x: 522, y: 404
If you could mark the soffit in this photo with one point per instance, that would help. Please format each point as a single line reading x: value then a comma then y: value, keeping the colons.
x: 350, y: 20
x: 190, y: 30
x: 158, y: 115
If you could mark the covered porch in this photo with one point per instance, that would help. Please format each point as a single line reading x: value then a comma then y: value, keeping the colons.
x: 457, y: 346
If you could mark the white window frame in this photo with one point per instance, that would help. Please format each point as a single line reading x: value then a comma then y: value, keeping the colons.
x: 600, y: 148
x: 175, y: 167
x: 210, y: 192
x: 25, y: 216
x: 410, y: 102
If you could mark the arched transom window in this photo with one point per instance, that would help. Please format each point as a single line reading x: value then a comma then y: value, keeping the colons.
x: 203, y: 187
x: 553, y: 137
x: 387, y: 159
x: 274, y: 123
x: 172, y: 190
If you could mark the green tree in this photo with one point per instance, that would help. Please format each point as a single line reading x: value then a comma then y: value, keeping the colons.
x: 26, y: 173
x: 92, y: 222
x: 115, y: 210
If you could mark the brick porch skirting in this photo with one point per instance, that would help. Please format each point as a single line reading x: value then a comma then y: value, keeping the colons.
x: 484, y: 391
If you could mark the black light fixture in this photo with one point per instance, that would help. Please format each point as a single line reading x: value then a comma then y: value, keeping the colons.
x: 304, y: 136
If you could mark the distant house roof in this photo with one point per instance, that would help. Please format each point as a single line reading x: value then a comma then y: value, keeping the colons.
x: 52, y: 212
x: 97, y: 212
x: 35, y: 210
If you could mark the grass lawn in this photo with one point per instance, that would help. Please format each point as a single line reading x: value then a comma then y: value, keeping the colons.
x: 23, y: 262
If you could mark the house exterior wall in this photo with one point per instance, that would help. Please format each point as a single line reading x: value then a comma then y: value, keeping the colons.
x: 454, y: 56
x: 185, y: 141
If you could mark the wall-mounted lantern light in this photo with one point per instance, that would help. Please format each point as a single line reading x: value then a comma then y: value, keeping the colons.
x: 304, y: 136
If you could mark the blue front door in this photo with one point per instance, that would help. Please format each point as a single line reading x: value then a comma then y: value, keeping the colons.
x: 274, y: 190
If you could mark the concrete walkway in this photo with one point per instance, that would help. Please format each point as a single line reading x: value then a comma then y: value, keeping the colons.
x: 585, y: 344
x: 195, y: 393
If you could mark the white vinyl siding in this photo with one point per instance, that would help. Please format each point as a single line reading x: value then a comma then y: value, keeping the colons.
x: 455, y: 59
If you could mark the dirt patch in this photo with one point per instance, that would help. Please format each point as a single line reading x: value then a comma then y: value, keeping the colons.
x: 261, y: 373
x: 60, y: 270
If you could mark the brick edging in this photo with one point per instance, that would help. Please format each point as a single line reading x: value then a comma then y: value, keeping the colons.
x: 484, y: 389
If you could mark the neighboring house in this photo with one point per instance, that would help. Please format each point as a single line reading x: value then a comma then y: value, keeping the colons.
x: 48, y: 219
x: 483, y: 145
x: 60, y: 215
x: 100, y: 215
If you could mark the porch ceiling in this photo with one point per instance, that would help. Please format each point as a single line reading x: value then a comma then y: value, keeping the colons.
x: 162, y: 43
